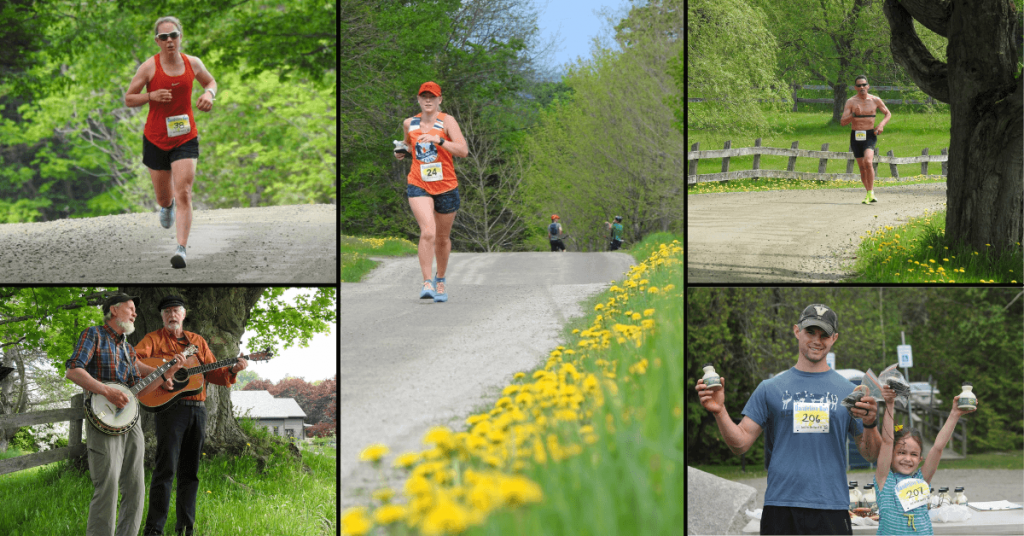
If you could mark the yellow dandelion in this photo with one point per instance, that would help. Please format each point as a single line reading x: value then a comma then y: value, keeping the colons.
x: 373, y: 453
x: 354, y: 522
x: 388, y: 514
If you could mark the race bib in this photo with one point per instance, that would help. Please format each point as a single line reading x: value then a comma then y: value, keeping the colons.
x: 912, y: 493
x: 810, y: 417
x: 431, y: 172
x: 178, y: 125
x: 860, y: 135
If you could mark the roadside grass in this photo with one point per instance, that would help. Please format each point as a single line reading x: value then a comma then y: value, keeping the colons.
x: 917, y: 252
x: 355, y: 252
x: 1013, y: 459
x: 593, y: 446
x: 288, y: 497
x: 764, y: 185
x: 906, y: 135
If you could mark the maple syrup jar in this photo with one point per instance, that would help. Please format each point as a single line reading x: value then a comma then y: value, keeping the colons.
x: 967, y: 398
x: 711, y: 378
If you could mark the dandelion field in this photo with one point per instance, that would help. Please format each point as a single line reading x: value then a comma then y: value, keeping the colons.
x: 916, y: 253
x: 589, y: 443
x: 355, y: 253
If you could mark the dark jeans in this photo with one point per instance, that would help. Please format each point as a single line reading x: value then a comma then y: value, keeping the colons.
x: 793, y: 520
x: 180, y: 432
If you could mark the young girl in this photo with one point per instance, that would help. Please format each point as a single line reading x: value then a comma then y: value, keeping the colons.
x: 903, y: 489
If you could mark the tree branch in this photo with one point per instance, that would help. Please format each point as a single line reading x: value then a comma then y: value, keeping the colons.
x: 932, y: 14
x: 930, y: 74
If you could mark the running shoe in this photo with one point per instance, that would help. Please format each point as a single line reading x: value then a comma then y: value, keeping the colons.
x: 167, y: 216
x: 441, y: 294
x: 178, y: 260
x: 867, y: 199
x: 872, y: 196
x: 427, y: 292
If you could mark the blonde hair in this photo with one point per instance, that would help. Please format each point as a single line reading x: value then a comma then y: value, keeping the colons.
x: 161, y: 20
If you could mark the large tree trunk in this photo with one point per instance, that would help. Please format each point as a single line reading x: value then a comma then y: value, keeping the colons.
x: 219, y: 314
x: 985, y: 92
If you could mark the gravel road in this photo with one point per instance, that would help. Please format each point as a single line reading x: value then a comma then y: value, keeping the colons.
x: 409, y: 364
x: 281, y: 244
x: 801, y: 236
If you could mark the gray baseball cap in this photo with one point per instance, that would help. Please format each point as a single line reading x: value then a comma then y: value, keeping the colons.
x: 819, y: 315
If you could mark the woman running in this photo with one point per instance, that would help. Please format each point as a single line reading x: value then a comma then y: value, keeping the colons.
x: 170, y: 142
x: 435, y: 138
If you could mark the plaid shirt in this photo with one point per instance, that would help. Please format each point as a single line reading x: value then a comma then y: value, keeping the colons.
x: 161, y: 343
x: 105, y: 355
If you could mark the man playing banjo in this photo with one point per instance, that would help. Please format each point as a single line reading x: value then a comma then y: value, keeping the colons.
x: 102, y: 354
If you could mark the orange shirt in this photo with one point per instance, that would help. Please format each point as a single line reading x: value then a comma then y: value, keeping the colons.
x: 432, y: 167
x: 161, y: 343
x: 170, y: 134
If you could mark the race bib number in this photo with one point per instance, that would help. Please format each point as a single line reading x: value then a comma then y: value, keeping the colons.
x: 178, y: 125
x: 810, y: 417
x: 431, y: 172
x: 860, y: 135
x: 912, y: 493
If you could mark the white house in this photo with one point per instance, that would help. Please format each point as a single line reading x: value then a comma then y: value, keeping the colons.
x: 282, y: 416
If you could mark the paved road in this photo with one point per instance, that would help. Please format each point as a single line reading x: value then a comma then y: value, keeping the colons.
x: 791, y: 236
x: 282, y: 244
x: 409, y: 364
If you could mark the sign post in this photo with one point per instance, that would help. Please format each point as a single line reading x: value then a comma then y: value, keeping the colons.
x: 906, y: 357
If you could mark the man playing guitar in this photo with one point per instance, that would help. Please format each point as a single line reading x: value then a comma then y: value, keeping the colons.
x: 103, y: 354
x: 180, y: 429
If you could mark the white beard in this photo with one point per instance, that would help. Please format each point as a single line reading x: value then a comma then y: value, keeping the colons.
x: 127, y: 327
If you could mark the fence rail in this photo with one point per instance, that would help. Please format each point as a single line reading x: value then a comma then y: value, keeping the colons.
x: 823, y: 156
x: 75, y: 415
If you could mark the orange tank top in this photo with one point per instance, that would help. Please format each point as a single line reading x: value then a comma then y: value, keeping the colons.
x: 432, y: 167
x: 171, y: 124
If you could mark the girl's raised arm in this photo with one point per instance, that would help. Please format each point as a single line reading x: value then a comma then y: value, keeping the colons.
x: 931, y: 463
x: 886, y: 433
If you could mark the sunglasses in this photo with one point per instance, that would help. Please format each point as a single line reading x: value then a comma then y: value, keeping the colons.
x: 861, y: 85
x: 164, y: 37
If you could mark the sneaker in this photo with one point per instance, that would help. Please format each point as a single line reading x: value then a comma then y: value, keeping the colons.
x: 427, y: 292
x: 867, y: 199
x: 441, y: 294
x: 872, y: 196
x: 167, y: 216
x: 178, y: 260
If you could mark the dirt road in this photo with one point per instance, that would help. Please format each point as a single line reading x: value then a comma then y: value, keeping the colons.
x: 283, y: 244
x: 792, y: 236
x: 409, y: 364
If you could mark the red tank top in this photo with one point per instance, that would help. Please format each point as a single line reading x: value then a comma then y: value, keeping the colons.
x: 432, y: 167
x: 171, y: 124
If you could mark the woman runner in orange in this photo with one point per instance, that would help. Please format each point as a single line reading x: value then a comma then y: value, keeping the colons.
x: 434, y: 138
x: 170, y: 143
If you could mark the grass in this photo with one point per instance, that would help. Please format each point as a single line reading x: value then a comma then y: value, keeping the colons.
x: 989, y: 460
x: 355, y: 252
x: 906, y: 135
x: 764, y: 185
x: 285, y: 499
x: 603, y: 463
x: 916, y: 253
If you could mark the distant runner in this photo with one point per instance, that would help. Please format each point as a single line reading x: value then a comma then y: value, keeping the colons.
x: 860, y: 110
x: 170, y: 141
x: 616, y: 233
x: 433, y: 138
x: 554, y: 230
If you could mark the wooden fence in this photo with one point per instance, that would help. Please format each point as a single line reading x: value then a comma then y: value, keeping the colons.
x: 75, y: 415
x: 823, y: 156
x: 796, y: 100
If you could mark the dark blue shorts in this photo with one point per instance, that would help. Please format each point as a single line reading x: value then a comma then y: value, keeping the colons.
x: 444, y: 203
x: 156, y: 158
x: 858, y: 147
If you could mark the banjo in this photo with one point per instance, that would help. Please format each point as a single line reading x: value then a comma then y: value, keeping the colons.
x: 110, y: 420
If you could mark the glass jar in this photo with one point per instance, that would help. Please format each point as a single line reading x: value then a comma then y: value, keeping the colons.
x: 968, y: 400
x: 960, y: 498
x: 711, y: 378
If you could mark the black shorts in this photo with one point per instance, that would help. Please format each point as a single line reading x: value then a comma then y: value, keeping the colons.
x: 614, y: 245
x: 793, y: 520
x: 858, y: 147
x: 156, y: 158
x: 557, y: 245
x: 444, y: 203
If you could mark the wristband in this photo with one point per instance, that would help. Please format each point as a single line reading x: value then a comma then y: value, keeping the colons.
x: 212, y: 92
x: 440, y: 141
x: 874, y: 424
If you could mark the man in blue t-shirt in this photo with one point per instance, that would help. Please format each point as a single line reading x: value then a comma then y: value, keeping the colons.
x: 805, y: 433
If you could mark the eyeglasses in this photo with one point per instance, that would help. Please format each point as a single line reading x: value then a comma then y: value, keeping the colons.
x: 861, y: 85
x: 164, y: 37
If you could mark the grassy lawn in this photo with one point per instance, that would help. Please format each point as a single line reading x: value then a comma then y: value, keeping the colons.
x: 906, y: 135
x: 355, y: 253
x: 289, y: 497
x: 1013, y: 459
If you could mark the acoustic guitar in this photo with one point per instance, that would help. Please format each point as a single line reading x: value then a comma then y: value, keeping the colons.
x: 188, y: 380
x: 110, y: 420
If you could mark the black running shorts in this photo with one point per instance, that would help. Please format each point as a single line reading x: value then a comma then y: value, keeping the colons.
x: 858, y: 147
x: 793, y: 520
x: 444, y: 203
x: 156, y: 158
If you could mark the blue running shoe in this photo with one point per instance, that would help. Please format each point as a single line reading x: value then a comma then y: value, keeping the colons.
x: 441, y: 294
x: 167, y: 216
x: 427, y: 292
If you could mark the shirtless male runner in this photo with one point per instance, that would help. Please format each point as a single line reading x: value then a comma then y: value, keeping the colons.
x: 860, y: 111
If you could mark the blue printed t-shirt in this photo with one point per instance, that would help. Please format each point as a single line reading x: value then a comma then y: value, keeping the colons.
x: 805, y: 469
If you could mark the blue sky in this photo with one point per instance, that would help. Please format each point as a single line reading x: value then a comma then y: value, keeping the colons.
x: 576, y: 22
